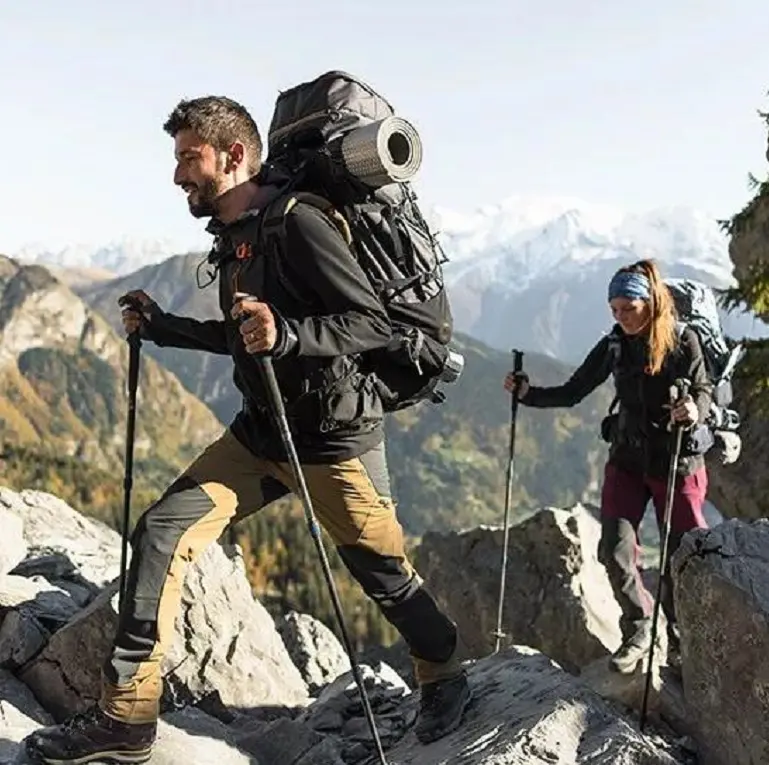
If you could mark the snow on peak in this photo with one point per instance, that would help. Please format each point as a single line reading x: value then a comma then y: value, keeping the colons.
x: 120, y: 257
x: 513, y: 241
x: 522, y: 238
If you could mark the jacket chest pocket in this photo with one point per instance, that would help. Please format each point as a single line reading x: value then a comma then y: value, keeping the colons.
x: 245, y: 276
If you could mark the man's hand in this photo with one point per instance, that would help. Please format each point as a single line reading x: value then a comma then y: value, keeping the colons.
x: 517, y: 381
x: 134, y: 304
x: 259, y: 331
x: 684, y: 412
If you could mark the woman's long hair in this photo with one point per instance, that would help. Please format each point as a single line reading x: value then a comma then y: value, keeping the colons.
x: 663, y: 337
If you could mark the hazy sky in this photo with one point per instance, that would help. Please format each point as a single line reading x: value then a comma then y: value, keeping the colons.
x: 633, y: 104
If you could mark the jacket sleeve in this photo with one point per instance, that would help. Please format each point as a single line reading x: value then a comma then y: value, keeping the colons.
x: 594, y: 370
x: 353, y: 319
x: 168, y: 330
x: 696, y: 372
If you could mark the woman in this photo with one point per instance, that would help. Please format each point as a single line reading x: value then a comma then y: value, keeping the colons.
x: 647, y: 352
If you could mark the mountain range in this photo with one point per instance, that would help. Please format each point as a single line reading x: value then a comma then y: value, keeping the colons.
x: 63, y: 378
x: 528, y: 272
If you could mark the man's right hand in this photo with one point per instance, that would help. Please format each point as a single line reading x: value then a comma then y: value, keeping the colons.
x: 136, y: 308
x: 517, y: 382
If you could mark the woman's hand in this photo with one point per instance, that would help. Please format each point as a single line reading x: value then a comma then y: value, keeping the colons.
x: 685, y: 412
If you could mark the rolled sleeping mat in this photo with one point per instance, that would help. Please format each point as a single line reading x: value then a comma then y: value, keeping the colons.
x: 384, y: 152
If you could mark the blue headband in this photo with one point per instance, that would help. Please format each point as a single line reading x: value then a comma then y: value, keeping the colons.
x: 630, y: 285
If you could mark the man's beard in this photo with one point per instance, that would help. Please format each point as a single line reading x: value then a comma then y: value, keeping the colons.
x: 205, y: 196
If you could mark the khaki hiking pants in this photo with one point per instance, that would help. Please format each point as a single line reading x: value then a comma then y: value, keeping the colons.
x: 227, y: 483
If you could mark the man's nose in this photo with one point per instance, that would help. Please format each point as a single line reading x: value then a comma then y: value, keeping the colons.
x: 178, y: 176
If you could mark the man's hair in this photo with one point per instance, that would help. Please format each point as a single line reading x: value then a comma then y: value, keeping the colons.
x: 220, y: 122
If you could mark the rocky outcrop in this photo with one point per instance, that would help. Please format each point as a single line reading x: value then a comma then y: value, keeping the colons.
x: 722, y: 601
x: 739, y: 490
x: 225, y: 647
x: 235, y: 696
x: 557, y: 596
x: 527, y: 711
x: 62, y: 545
x: 314, y: 649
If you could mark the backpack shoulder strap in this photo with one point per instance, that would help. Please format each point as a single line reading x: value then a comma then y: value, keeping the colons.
x: 274, y: 215
x: 615, y: 348
x: 615, y: 353
x: 272, y: 231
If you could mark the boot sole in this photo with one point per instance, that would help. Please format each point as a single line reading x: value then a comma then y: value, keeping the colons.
x: 456, y: 721
x: 116, y: 757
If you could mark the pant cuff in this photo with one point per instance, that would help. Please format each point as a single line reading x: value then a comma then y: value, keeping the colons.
x: 132, y: 703
x: 432, y: 671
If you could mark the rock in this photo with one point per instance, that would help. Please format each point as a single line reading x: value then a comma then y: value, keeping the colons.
x: 666, y: 706
x: 338, y: 711
x: 528, y: 711
x: 396, y: 656
x: 190, y: 735
x: 557, y: 596
x: 290, y: 742
x: 225, y: 646
x: 59, y: 570
x: 13, y: 548
x: 226, y: 642
x: 722, y: 603
x: 34, y: 609
x: 37, y: 599
x: 51, y: 526
x: 20, y: 714
x: 65, y: 676
x: 22, y: 636
x: 314, y: 649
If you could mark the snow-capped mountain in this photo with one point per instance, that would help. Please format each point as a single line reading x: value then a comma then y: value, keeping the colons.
x: 528, y: 272
x: 532, y: 273
x: 120, y: 257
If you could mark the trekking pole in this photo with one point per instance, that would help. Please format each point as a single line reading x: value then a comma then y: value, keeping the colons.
x: 517, y: 369
x: 134, y: 354
x: 279, y: 412
x: 680, y: 390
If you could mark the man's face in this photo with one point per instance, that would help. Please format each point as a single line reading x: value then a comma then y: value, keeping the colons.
x: 201, y: 171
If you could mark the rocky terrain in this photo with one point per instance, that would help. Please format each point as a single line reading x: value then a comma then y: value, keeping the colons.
x: 241, y: 688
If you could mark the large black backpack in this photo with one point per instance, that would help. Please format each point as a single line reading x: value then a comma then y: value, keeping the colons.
x: 378, y: 217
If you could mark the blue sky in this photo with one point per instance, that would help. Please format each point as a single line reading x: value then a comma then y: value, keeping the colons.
x: 633, y: 104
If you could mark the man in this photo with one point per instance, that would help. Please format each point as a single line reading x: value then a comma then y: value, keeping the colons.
x: 315, y: 331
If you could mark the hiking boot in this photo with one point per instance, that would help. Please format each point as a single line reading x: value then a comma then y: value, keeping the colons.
x: 636, y: 648
x: 441, y: 707
x: 91, y: 736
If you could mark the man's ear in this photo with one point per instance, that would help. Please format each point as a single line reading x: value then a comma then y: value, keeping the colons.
x: 235, y: 157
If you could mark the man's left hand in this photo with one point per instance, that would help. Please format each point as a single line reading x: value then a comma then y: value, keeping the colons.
x: 259, y: 331
x: 685, y: 412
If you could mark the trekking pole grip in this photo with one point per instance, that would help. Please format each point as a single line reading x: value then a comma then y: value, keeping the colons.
x: 679, y: 390
x: 518, y: 374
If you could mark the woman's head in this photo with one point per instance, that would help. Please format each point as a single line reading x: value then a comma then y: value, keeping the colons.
x: 642, y: 304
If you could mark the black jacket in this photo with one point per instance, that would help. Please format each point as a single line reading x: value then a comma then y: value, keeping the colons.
x: 642, y: 443
x: 327, y: 316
